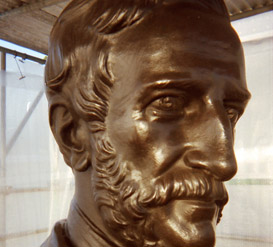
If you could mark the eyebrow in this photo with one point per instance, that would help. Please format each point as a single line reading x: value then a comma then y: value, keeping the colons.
x: 233, y: 92
x: 238, y: 94
x: 175, y: 83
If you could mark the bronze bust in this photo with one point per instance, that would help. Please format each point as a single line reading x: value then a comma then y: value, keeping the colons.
x: 144, y: 96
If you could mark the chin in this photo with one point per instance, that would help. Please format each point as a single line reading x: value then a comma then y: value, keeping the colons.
x: 185, y: 226
x: 194, y: 235
x: 203, y: 235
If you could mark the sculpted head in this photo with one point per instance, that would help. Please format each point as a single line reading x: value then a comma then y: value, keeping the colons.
x: 144, y: 96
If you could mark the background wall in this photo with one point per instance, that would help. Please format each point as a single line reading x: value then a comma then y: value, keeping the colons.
x: 248, y: 217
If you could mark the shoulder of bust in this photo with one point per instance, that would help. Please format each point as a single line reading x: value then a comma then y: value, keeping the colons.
x: 58, y: 236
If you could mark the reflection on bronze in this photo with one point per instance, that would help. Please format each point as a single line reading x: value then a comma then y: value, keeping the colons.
x: 144, y: 96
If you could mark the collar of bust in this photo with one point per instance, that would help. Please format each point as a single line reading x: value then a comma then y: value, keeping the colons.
x: 83, y: 232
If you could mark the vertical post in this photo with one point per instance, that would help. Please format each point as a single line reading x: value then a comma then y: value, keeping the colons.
x: 3, y: 119
x: 3, y: 149
x: 3, y: 61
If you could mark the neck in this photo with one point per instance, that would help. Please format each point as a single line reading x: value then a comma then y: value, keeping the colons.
x: 83, y: 232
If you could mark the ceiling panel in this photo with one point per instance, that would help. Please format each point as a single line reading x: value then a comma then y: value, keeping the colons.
x: 28, y: 22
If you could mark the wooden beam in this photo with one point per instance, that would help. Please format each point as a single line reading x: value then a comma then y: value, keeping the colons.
x: 43, y: 16
x: 251, y: 12
x: 31, y: 7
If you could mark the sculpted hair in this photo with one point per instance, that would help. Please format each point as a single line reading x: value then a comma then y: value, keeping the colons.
x: 77, y: 66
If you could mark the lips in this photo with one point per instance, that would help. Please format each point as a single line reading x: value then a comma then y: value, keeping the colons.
x: 210, y: 208
x: 196, y: 211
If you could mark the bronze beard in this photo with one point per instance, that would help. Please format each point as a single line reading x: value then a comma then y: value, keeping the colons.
x: 124, y: 203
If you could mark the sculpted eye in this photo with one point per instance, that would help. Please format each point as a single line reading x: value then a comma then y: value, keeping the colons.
x: 166, y: 103
x: 167, y: 107
x: 233, y: 115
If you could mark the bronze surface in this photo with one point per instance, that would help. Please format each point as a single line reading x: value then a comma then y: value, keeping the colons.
x: 143, y: 99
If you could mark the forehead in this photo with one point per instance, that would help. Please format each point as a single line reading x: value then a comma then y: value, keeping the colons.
x: 175, y: 41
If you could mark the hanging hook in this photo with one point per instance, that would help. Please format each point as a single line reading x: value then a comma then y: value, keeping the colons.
x: 22, y: 76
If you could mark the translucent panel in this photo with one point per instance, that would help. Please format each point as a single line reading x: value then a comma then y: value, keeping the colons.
x: 248, y: 217
x: 25, y: 177
x: 28, y: 161
x: 32, y: 239
x: 254, y: 140
x: 27, y: 211
x: 62, y: 185
x: 23, y: 67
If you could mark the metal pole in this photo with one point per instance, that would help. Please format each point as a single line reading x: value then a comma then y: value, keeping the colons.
x: 22, y: 55
x: 3, y: 144
x: 3, y: 116
x: 3, y: 61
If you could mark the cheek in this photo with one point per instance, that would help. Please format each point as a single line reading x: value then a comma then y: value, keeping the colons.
x: 128, y: 136
x: 149, y: 146
x: 156, y: 146
x: 156, y: 138
x: 168, y: 135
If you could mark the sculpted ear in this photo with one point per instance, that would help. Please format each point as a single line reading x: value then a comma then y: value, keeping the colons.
x: 72, y: 136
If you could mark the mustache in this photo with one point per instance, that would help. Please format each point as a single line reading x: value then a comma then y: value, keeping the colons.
x: 185, y: 185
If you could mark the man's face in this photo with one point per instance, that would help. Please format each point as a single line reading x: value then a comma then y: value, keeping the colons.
x: 179, y: 91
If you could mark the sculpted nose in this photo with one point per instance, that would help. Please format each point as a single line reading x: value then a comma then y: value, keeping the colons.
x: 212, y: 150
x: 222, y: 166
